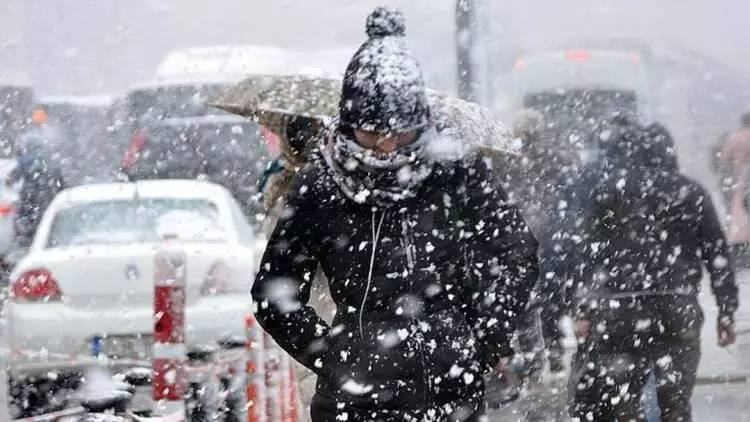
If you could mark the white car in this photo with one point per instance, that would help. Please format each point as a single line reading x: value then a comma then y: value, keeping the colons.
x: 84, y: 294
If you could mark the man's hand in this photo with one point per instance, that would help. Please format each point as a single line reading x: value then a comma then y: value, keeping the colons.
x: 502, y: 368
x: 502, y: 384
x: 582, y: 328
x: 725, y: 331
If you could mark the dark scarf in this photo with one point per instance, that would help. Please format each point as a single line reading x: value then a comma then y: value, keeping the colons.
x: 368, y: 178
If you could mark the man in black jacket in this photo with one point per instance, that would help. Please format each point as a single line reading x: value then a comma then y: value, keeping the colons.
x: 428, y: 264
x: 649, y: 232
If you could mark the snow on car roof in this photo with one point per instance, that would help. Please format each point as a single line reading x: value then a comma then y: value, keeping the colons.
x: 232, y: 63
x: 184, y: 189
x: 208, y: 119
x: 218, y: 79
x: 223, y: 60
x: 225, y: 65
x: 101, y: 100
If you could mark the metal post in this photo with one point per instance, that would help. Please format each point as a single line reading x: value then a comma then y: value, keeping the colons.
x: 465, y: 45
x: 4, y: 397
x: 170, y: 378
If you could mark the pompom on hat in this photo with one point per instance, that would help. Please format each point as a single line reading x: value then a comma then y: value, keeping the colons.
x: 383, y: 89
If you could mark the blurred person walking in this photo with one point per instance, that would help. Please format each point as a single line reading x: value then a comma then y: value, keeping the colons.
x: 735, y: 159
x: 533, y: 184
x: 427, y: 262
x: 649, y: 232
x: 41, y: 182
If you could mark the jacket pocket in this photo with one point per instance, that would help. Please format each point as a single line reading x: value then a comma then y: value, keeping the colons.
x: 350, y: 360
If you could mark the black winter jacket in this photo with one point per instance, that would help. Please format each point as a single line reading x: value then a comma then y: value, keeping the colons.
x: 650, y: 231
x: 427, y: 291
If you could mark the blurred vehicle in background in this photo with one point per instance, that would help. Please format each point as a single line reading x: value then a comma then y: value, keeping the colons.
x: 86, y: 289
x: 576, y: 90
x: 154, y: 101
x: 228, y: 62
x: 239, y: 61
x: 227, y: 150
x: 158, y: 122
x: 16, y: 102
x: 80, y: 138
x: 187, y: 78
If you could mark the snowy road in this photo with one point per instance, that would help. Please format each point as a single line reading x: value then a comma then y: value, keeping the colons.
x: 715, y: 403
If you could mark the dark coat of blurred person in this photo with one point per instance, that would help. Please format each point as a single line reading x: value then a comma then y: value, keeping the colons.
x: 41, y: 182
x: 650, y: 232
x: 428, y: 264
x: 534, y: 186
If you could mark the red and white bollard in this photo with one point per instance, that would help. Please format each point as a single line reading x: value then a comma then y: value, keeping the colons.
x: 170, y: 354
x: 256, y: 371
x: 274, y: 392
x: 295, y: 414
x: 289, y: 397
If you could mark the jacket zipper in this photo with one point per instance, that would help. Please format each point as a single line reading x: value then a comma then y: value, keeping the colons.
x: 411, y: 259
x: 375, y: 239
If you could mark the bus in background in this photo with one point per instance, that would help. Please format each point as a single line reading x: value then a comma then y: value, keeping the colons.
x: 576, y: 90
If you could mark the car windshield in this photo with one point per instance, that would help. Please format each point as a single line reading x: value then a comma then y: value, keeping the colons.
x: 136, y: 221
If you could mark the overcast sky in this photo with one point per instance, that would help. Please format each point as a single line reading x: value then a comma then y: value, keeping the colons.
x: 87, y: 46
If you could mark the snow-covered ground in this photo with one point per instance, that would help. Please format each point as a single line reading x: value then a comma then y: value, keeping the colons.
x: 732, y: 361
x: 725, y: 402
x: 722, y: 403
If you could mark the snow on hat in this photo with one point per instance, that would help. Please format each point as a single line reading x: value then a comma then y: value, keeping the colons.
x: 383, y: 89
